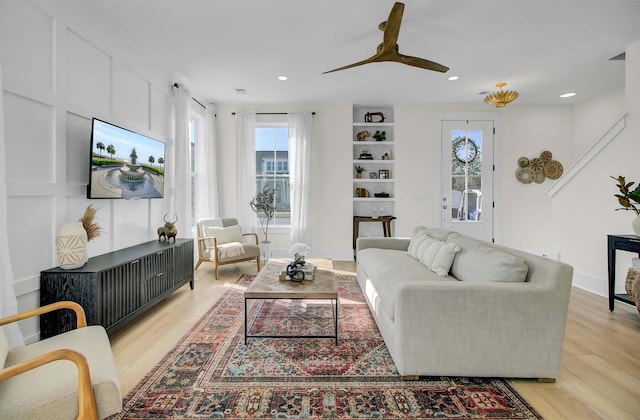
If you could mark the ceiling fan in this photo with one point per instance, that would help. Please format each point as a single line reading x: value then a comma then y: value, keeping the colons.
x: 388, y: 49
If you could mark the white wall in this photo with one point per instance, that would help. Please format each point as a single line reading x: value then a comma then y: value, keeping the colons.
x: 54, y: 81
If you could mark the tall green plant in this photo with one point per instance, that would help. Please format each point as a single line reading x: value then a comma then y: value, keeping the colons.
x: 263, y: 204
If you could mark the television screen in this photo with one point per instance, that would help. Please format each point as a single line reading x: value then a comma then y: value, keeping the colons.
x: 124, y: 164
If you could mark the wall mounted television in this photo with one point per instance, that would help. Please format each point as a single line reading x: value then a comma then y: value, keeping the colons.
x: 124, y: 164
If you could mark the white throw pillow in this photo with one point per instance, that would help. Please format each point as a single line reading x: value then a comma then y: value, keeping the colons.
x: 223, y: 235
x: 416, y: 239
x: 438, y: 256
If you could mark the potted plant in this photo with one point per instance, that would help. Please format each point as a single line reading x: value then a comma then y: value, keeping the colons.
x: 263, y: 204
x: 359, y: 170
x: 629, y: 199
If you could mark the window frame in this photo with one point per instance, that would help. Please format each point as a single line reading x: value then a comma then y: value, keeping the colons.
x: 273, y: 227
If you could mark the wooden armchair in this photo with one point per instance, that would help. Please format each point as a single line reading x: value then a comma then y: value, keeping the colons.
x: 221, y: 242
x: 37, y: 382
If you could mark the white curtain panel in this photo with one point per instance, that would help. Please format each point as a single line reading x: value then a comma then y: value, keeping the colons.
x: 300, y: 134
x: 182, y: 163
x: 206, y: 167
x: 8, y: 302
x: 246, y: 169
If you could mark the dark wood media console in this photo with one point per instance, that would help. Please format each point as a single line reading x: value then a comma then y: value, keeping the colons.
x: 117, y: 287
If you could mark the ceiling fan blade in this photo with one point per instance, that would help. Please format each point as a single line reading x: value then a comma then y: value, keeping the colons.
x: 392, y: 27
x: 418, y: 62
x: 359, y: 63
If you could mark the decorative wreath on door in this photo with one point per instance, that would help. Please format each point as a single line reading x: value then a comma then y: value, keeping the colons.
x: 465, y: 149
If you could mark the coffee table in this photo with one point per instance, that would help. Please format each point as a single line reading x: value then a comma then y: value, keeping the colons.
x: 267, y: 285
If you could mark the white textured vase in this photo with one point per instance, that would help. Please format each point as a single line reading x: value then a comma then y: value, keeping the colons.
x: 636, y: 225
x: 265, y: 251
x: 71, y: 246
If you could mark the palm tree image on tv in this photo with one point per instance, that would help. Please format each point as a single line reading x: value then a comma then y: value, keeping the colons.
x: 130, y: 169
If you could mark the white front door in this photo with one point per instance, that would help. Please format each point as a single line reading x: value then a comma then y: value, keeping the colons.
x: 467, y: 177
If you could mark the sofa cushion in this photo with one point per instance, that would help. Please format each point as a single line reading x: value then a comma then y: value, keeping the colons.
x: 436, y: 233
x: 223, y: 235
x: 480, y: 262
x: 438, y: 256
x: 387, y: 270
x: 4, y: 348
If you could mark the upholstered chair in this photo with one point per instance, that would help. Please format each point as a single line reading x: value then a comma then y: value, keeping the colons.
x: 67, y: 376
x: 221, y: 242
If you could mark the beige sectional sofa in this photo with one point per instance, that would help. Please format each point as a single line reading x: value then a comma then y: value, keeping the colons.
x: 491, y: 311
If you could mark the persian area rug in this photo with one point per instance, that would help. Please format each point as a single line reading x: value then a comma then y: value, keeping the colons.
x: 211, y: 373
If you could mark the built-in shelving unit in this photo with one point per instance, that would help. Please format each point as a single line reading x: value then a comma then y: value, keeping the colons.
x: 373, y: 145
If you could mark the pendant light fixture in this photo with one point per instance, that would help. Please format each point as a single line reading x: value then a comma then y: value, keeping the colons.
x: 501, y: 97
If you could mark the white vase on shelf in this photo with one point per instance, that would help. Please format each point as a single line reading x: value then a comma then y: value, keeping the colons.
x: 71, y: 246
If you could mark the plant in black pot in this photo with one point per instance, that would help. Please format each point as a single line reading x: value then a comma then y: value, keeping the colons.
x: 264, y: 205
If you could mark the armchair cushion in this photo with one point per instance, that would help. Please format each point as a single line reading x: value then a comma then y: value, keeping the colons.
x: 34, y: 394
x: 223, y: 235
x: 4, y: 348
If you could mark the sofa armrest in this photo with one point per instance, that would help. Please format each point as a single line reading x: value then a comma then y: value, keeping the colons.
x: 400, y: 244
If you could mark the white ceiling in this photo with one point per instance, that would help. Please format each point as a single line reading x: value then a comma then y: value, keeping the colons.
x: 541, y: 48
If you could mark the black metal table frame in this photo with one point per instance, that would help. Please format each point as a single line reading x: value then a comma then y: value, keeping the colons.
x: 247, y: 328
x: 629, y: 243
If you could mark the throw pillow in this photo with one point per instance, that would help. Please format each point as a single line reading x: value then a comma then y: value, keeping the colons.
x: 223, y: 235
x: 438, y: 256
x: 416, y: 239
x: 481, y: 262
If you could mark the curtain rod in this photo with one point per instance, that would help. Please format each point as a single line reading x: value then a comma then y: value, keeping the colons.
x: 176, y: 85
x: 273, y: 113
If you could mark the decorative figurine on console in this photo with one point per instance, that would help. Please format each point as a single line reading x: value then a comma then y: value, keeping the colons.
x: 168, y: 230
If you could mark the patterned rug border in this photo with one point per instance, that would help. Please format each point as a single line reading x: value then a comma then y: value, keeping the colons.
x: 159, y: 370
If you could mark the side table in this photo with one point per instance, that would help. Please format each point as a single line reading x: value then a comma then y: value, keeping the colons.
x: 385, y: 220
x: 629, y: 243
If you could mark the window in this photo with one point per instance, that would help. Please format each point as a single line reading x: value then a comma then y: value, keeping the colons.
x: 272, y: 167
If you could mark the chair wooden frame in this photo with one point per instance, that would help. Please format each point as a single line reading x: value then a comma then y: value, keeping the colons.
x: 86, y: 400
x: 202, y: 246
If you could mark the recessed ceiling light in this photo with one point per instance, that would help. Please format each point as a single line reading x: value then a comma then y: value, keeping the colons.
x: 568, y: 95
x: 241, y: 91
x: 454, y: 78
x: 282, y: 77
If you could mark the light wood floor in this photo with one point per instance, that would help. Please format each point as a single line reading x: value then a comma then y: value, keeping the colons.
x: 599, y: 376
